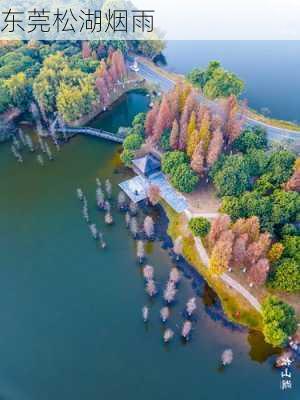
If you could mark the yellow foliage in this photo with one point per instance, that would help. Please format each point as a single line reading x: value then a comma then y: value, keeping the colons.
x: 275, y: 252
x: 204, y: 133
x: 193, y: 141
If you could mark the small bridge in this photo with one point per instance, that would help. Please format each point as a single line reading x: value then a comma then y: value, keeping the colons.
x: 100, y: 133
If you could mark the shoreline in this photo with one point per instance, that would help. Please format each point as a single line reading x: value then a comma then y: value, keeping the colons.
x: 252, y: 114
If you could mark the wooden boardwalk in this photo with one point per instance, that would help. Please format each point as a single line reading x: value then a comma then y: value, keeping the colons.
x: 100, y: 133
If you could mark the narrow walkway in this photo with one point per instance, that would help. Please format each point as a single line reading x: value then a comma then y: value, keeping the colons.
x: 232, y: 283
x: 93, y: 132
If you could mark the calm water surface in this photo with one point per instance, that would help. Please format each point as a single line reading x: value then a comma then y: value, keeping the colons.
x: 270, y: 69
x: 70, y: 314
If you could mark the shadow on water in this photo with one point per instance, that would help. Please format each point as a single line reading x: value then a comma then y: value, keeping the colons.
x: 260, y: 351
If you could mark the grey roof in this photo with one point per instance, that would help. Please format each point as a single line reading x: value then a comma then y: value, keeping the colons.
x: 147, y: 164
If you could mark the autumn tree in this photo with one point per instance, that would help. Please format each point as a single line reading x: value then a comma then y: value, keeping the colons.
x: 215, y: 147
x: 153, y: 194
x: 275, y: 252
x: 174, y: 136
x: 205, y: 130
x: 118, y: 62
x: 239, y: 251
x: 193, y: 141
x: 219, y: 225
x: 85, y: 48
x: 233, y: 123
x: 163, y: 120
x: 222, y: 252
x: 293, y: 184
x: 259, y: 272
x: 190, y: 105
x: 258, y: 249
x: 198, y: 158
x: 150, y: 119
x: 247, y: 225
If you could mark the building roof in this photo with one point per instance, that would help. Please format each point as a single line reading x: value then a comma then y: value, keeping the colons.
x: 147, y: 164
x: 135, y: 188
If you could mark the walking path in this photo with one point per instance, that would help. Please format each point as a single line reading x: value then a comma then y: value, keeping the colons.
x: 232, y: 283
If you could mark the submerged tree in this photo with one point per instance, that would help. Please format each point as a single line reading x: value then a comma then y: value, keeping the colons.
x: 148, y: 272
x: 149, y: 227
x: 170, y: 292
x: 108, y: 188
x: 227, y: 357
x: 122, y: 201
x: 151, y: 288
x: 134, y: 227
x: 100, y: 198
x: 140, y: 251
x: 108, y: 218
x: 178, y: 247
x: 153, y: 194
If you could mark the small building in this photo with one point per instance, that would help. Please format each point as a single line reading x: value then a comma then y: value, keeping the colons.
x: 147, y: 165
x: 148, y: 170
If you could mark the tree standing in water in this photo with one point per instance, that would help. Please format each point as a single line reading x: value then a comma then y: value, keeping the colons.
x: 149, y: 227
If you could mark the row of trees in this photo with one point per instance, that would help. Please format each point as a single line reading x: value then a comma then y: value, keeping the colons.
x: 180, y: 123
x: 67, y: 89
x: 240, y: 245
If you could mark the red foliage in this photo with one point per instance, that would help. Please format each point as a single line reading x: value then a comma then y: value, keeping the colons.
x: 219, y: 225
x: 259, y: 272
x: 239, y: 250
x: 150, y: 119
x: 85, y: 49
x: 174, y: 136
x: 215, y: 147
x: 198, y: 158
x: 163, y: 120
x: 259, y: 248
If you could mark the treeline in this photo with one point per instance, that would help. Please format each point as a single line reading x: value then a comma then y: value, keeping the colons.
x: 37, y: 71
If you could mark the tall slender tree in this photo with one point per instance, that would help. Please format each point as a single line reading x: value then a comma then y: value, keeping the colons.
x: 215, y: 147
x: 174, y: 136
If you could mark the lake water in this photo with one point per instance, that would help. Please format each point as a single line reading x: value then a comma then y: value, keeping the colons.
x: 70, y: 313
x: 270, y: 69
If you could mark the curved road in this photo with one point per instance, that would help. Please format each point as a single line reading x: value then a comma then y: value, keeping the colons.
x: 273, y: 133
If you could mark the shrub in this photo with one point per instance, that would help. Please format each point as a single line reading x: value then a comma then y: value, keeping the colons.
x: 133, y: 142
x: 199, y: 226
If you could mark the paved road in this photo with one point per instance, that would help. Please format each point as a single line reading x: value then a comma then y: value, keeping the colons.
x: 274, y: 133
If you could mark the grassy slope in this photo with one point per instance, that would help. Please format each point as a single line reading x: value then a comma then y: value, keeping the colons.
x: 232, y: 302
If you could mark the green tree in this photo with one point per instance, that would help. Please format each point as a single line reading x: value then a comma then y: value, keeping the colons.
x: 172, y: 160
x: 279, y: 321
x: 184, y: 179
x: 75, y: 101
x: 19, y: 90
x: 139, y: 119
x: 233, y: 178
x: 286, y: 276
x: 133, y: 142
x: 199, y: 226
x: 223, y: 84
x: 251, y: 138
x: 5, y: 99
x: 126, y: 157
